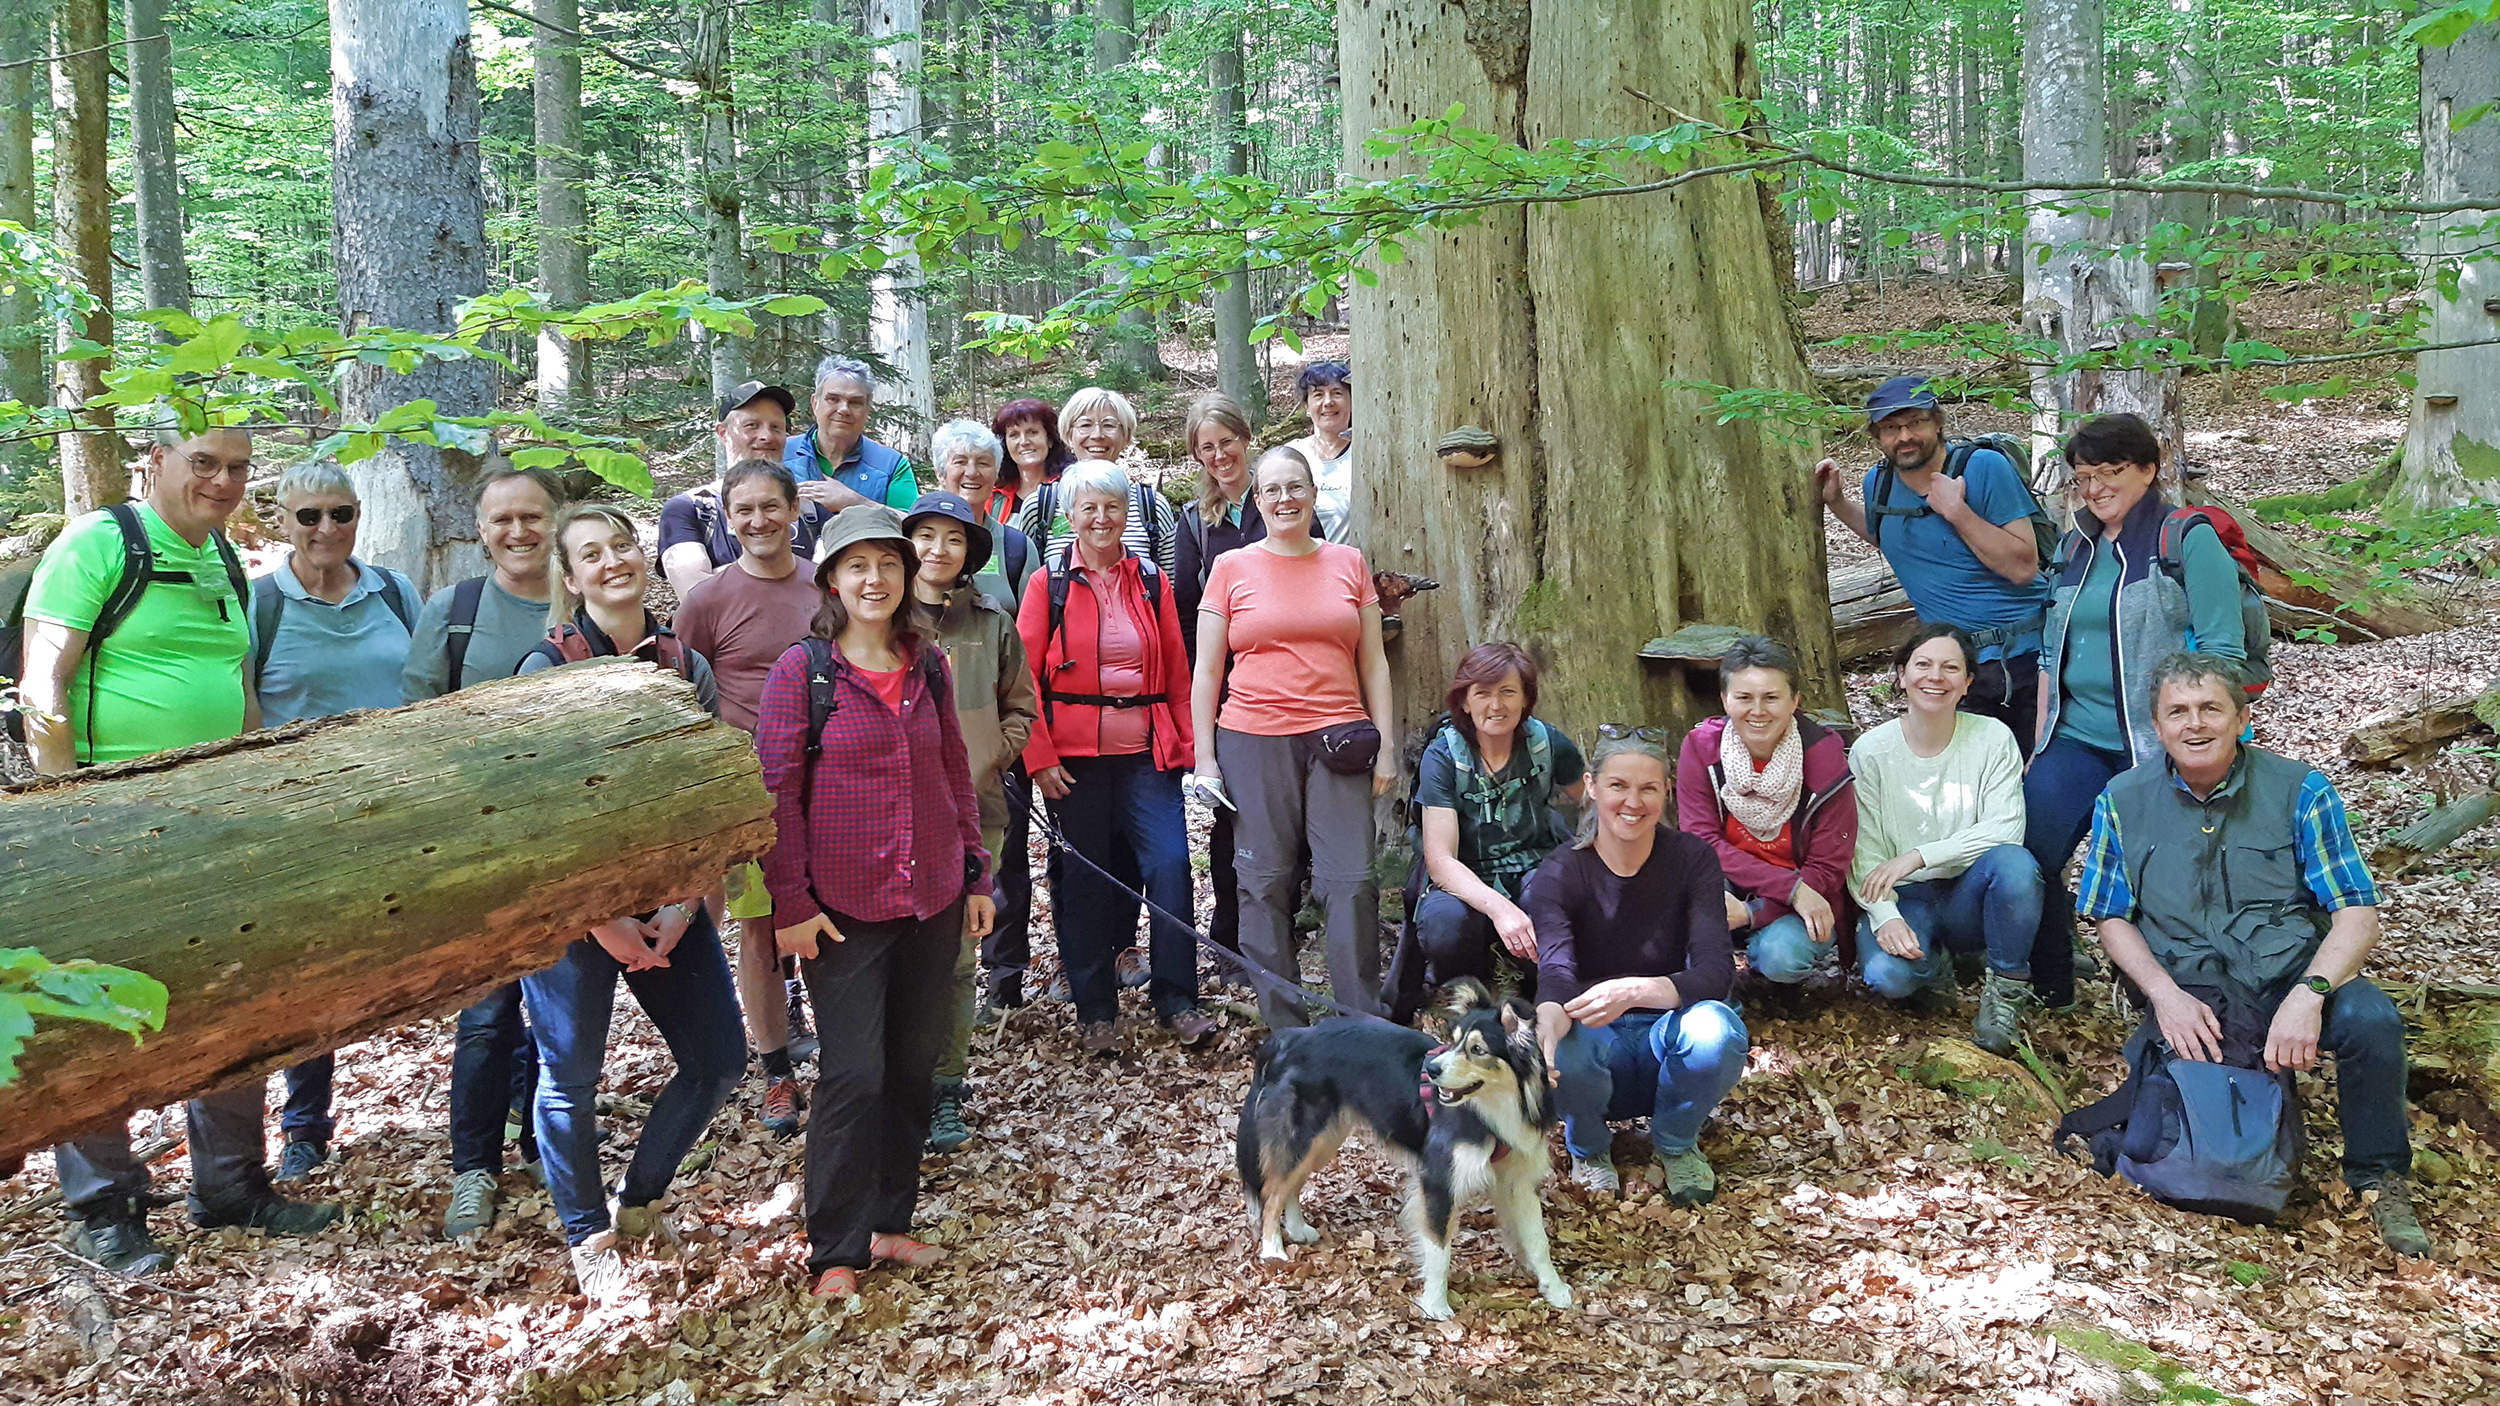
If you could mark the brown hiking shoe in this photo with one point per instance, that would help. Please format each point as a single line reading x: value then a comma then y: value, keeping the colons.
x: 1099, y: 1037
x: 781, y: 1106
x: 1192, y: 1027
x: 2392, y: 1213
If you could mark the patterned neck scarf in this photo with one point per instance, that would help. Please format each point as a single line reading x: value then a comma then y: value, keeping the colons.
x: 1761, y: 800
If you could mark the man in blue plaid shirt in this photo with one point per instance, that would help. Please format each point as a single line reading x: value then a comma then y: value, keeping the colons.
x: 2231, y: 869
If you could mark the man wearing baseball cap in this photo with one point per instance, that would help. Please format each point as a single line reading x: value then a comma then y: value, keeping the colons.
x: 695, y: 536
x: 1961, y: 543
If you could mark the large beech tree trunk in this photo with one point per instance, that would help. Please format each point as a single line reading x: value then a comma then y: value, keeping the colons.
x: 409, y: 236
x: 709, y: 24
x: 1616, y: 513
x: 82, y: 216
x: 300, y: 889
x: 898, y: 308
x: 2452, y: 452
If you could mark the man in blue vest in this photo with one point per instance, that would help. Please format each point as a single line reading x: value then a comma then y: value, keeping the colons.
x: 2232, y: 870
x: 836, y: 463
x: 1961, y: 545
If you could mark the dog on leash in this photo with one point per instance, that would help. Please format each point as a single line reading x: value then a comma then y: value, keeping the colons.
x: 1467, y: 1118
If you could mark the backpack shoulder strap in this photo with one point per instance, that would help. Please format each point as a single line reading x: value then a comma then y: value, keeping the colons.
x: 465, y: 599
x: 400, y: 594
x: 2171, y: 554
x: 138, y: 564
x: 1957, y: 456
x: 1015, y: 553
x: 1540, y: 756
x: 823, y: 699
x: 268, y: 603
x: 1151, y: 576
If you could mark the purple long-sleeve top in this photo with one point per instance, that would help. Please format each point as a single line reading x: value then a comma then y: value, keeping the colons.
x: 1669, y: 919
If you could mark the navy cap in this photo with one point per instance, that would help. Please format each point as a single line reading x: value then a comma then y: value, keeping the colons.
x: 954, y: 509
x: 1900, y: 393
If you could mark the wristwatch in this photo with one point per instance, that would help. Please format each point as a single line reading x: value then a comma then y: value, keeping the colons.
x: 2319, y: 984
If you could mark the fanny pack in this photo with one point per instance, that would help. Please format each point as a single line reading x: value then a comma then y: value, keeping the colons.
x: 1349, y: 749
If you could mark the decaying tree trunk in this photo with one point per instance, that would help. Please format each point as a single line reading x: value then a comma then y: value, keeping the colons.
x: 2418, y: 723
x: 1614, y: 514
x: 300, y: 889
x: 1871, y: 614
x: 2452, y: 451
x: 409, y: 235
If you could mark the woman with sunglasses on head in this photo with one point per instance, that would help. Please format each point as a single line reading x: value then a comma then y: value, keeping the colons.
x: 1769, y: 788
x: 1633, y: 968
x: 670, y: 958
x: 2116, y: 611
x: 1291, y: 702
x: 329, y: 635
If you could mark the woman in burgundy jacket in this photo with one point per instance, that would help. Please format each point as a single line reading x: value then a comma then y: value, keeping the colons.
x: 1104, y: 636
x: 1770, y: 790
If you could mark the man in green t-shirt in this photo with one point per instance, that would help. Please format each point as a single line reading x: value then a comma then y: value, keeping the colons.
x: 168, y: 675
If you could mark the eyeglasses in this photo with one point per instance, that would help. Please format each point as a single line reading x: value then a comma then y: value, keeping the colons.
x: 1618, y: 732
x: 1284, y: 492
x: 2087, y: 479
x: 342, y: 514
x: 210, y: 466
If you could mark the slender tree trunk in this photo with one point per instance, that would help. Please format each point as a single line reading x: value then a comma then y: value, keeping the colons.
x: 563, y: 245
x: 164, y: 274
x: 409, y: 221
x: 1617, y: 511
x: 829, y: 186
x: 2452, y: 452
x: 1236, y: 371
x: 22, y: 41
x: 1972, y: 151
x: 1134, y: 349
x: 2190, y: 139
x: 898, y: 312
x: 82, y: 218
x: 708, y: 26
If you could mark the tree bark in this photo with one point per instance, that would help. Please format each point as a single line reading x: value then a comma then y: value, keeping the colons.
x: 708, y: 27
x: 1134, y: 349
x: 165, y: 276
x: 898, y: 309
x: 2452, y: 449
x: 563, y: 246
x: 1236, y: 370
x: 2418, y: 725
x: 301, y: 889
x: 409, y: 241
x: 22, y: 40
x: 82, y: 217
x: 1615, y: 513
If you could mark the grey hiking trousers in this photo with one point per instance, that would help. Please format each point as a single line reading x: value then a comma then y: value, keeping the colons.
x: 1288, y: 798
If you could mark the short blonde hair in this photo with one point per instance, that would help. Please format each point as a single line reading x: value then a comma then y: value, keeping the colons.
x: 1091, y: 400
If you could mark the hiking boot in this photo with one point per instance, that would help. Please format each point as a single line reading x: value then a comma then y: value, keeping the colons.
x: 1099, y: 1037
x: 2088, y: 965
x: 114, y: 1233
x: 2392, y: 1213
x: 781, y: 1106
x: 1689, y: 1179
x: 1192, y: 1027
x: 641, y: 1224
x: 599, y: 1268
x: 264, y: 1210
x: 1597, y: 1174
x: 1006, y: 993
x: 1132, y: 968
x: 2002, y: 1001
x: 472, y: 1208
x: 947, y: 1130
x: 297, y: 1159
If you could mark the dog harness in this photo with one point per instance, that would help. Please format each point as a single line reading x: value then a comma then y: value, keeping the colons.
x: 1432, y: 1102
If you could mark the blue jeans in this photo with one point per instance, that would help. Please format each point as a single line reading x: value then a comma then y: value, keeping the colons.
x: 1672, y: 1067
x: 1994, y: 906
x: 494, y: 1067
x: 2362, y: 1028
x: 306, y: 1117
x: 1113, y: 799
x: 2058, y: 792
x: 695, y: 1006
x: 1784, y: 950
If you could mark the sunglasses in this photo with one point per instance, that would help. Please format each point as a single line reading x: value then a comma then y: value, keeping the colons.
x: 343, y: 514
x: 1618, y: 732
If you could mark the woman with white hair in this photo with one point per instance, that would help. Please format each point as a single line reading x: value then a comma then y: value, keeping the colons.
x: 329, y: 635
x: 1101, y: 424
x: 968, y: 462
x: 1108, y: 756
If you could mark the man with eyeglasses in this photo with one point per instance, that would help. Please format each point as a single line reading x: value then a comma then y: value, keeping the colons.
x: 137, y: 635
x: 1961, y: 544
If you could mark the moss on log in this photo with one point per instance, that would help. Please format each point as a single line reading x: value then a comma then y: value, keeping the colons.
x: 299, y: 889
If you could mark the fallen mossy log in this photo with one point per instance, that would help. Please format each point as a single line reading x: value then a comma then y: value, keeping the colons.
x: 1871, y: 614
x: 298, y: 889
x: 2418, y: 724
x: 2444, y: 826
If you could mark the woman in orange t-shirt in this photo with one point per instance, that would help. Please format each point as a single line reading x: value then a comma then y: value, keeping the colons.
x: 1289, y: 643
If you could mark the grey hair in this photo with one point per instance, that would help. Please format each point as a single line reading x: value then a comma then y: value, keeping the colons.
x: 1092, y: 476
x: 1606, y: 750
x: 1761, y: 652
x: 964, y: 434
x: 2194, y: 667
x: 316, y: 477
x: 168, y: 433
x: 838, y: 365
x: 497, y: 470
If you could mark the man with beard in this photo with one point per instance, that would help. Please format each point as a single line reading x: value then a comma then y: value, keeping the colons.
x: 1961, y: 544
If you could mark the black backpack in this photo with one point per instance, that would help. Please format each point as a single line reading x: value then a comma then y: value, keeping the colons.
x: 269, y: 605
x: 1152, y: 578
x: 139, y: 571
x: 2046, y: 536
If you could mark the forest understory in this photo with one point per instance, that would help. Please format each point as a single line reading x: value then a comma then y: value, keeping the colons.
x: 1876, y: 1238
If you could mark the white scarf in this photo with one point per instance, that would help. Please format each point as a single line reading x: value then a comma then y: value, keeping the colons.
x: 1761, y: 800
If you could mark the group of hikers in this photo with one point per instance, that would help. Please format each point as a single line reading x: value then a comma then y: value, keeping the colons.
x: 916, y: 666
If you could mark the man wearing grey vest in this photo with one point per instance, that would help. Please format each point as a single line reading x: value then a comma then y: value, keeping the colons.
x: 2230, y: 868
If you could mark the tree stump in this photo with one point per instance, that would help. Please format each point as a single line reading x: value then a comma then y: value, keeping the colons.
x: 299, y: 889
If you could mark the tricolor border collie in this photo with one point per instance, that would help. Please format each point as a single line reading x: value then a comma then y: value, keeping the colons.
x: 1468, y: 1119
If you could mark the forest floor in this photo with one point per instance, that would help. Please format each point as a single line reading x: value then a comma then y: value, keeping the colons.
x: 1875, y: 1239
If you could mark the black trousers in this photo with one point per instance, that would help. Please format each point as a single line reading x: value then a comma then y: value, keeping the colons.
x: 880, y: 996
x: 1008, y: 951
x: 2008, y: 690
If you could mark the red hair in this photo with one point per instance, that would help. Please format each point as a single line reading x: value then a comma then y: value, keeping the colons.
x: 1487, y: 665
x: 1043, y: 413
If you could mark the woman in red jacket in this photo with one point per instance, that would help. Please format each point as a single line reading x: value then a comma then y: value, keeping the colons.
x: 877, y: 877
x: 1104, y: 636
x: 1770, y: 791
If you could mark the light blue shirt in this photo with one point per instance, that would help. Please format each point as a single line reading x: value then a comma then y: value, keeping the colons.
x: 1945, y: 579
x: 332, y: 658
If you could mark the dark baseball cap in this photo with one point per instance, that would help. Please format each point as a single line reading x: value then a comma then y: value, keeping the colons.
x: 1900, y: 393
x: 953, y: 508
x: 747, y: 393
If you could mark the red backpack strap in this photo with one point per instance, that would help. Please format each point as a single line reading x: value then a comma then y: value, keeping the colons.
x: 571, y: 645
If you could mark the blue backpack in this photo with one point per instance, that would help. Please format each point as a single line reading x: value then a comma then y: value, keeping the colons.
x: 2217, y: 1139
